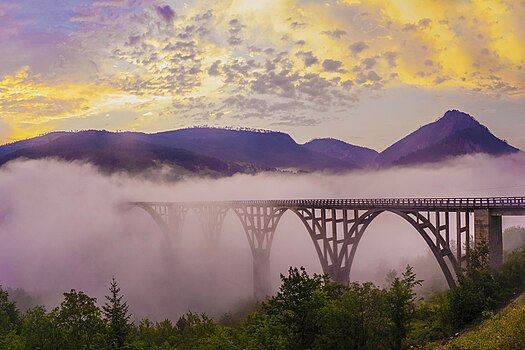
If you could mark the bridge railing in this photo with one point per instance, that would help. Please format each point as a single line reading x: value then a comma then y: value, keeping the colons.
x: 416, y: 203
x: 459, y: 203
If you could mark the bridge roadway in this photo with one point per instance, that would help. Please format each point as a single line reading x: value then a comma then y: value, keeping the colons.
x: 449, y: 226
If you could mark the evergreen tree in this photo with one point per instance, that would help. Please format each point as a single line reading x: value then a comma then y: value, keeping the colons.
x: 117, y: 317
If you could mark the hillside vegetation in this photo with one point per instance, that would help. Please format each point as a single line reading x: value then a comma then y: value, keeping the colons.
x: 504, y: 330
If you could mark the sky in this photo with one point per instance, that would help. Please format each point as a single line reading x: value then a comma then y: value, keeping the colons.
x: 366, y: 72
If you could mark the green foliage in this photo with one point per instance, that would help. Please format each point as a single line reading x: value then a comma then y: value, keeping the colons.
x: 118, y: 319
x: 477, y: 291
x: 192, y: 331
x: 79, y: 320
x: 503, y: 331
x: 196, y: 331
x: 512, y: 274
x: 400, y: 300
x: 296, y: 305
x: 308, y: 312
x: 357, y: 318
x: 9, y: 314
x: 312, y: 313
x: 40, y: 329
x: 12, y: 341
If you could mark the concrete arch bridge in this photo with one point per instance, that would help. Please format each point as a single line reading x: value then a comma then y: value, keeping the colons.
x: 336, y: 227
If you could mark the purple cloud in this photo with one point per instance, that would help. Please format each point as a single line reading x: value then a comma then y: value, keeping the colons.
x: 332, y: 65
x: 166, y: 13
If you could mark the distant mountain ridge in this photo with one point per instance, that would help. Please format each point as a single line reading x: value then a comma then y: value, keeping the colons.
x: 223, y: 152
x: 263, y: 149
x: 454, y: 134
x: 335, y: 148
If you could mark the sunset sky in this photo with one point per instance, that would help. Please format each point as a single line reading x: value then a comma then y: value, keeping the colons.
x: 366, y: 72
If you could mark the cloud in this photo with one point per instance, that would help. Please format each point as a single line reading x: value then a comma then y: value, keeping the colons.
x: 166, y: 13
x: 369, y: 62
x: 281, y: 49
x: 358, y: 47
x: 64, y: 226
x: 308, y: 58
x: 330, y: 65
x: 337, y: 34
x: 235, y: 32
x: 214, y: 68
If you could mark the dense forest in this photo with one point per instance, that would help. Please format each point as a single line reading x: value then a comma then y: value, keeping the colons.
x: 308, y: 312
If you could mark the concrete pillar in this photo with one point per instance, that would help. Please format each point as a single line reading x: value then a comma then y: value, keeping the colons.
x: 488, y: 228
x: 261, y: 274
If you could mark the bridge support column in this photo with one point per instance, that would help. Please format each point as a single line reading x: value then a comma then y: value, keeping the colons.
x: 211, y: 218
x: 262, y: 284
x: 259, y: 224
x: 488, y: 228
x: 333, y: 232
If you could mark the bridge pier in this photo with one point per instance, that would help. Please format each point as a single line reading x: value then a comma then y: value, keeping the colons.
x: 259, y: 223
x: 488, y: 229
x: 262, y: 284
x: 333, y: 232
x: 211, y: 218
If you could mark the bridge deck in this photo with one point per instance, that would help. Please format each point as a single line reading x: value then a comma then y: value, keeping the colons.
x: 450, y: 204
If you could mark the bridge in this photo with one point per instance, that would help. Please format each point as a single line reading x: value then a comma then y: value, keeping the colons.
x: 451, y: 227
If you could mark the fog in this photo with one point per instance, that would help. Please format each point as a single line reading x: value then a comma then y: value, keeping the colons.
x: 63, y: 226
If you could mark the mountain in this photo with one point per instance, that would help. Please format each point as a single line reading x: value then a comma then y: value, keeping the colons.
x: 454, y: 134
x: 223, y: 152
x: 35, y: 141
x: 338, y: 149
x: 121, y: 152
x: 263, y: 149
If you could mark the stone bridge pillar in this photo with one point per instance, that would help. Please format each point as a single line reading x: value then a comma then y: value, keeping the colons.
x: 488, y: 228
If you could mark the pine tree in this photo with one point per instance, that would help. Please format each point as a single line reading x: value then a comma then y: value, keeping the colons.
x: 117, y: 317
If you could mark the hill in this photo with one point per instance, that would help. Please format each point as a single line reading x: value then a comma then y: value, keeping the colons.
x: 223, y: 152
x: 454, y: 134
x: 362, y: 156
x: 262, y: 149
x: 504, y: 330
x: 121, y: 152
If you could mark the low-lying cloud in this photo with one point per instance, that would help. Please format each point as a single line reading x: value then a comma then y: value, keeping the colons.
x: 62, y: 226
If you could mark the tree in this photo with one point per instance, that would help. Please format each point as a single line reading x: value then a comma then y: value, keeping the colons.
x: 297, y: 303
x: 117, y: 317
x: 9, y: 314
x: 80, y: 320
x: 198, y: 331
x: 400, y: 299
x: 354, y: 319
x: 477, y: 290
x: 40, y: 330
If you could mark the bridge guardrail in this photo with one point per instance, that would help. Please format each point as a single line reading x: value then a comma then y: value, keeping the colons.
x: 413, y: 203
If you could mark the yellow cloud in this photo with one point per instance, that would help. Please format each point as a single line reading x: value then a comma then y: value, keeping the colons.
x: 29, y: 106
x: 26, y: 99
x: 477, y: 45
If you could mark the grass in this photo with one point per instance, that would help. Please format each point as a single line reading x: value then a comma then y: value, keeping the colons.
x: 503, y: 330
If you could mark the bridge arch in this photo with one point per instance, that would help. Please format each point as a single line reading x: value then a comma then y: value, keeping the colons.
x: 336, y: 226
x: 426, y: 229
x: 336, y: 253
x: 158, y: 216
